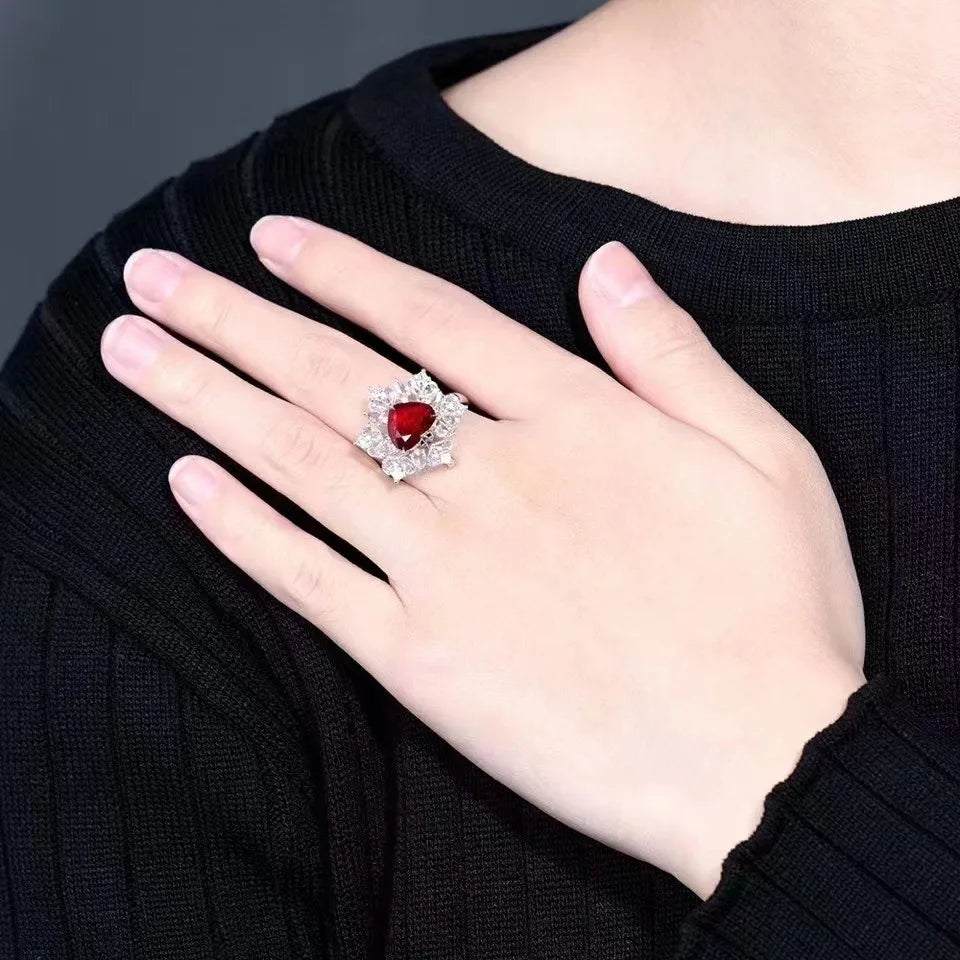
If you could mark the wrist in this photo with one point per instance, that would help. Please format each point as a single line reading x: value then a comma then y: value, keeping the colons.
x: 727, y: 811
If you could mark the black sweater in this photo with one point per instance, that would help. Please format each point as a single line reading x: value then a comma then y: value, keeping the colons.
x: 189, y: 770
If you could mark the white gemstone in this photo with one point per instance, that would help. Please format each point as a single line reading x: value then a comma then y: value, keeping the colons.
x: 423, y: 387
x: 440, y: 453
x: 367, y: 438
x: 418, y: 458
x: 379, y: 403
x: 373, y: 441
x: 397, y: 466
x: 450, y: 408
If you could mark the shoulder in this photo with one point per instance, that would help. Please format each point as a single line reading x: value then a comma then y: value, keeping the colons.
x: 71, y: 437
x: 84, y: 500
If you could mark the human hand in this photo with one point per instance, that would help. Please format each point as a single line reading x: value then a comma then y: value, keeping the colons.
x: 632, y: 602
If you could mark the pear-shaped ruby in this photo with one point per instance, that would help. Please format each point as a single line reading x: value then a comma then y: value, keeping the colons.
x: 408, y: 422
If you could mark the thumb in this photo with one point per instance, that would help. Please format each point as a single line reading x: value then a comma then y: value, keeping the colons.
x: 655, y: 348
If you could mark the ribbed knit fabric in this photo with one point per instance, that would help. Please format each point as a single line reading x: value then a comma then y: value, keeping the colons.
x: 189, y: 770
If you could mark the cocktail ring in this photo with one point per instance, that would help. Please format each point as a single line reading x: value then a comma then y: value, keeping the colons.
x: 411, y: 425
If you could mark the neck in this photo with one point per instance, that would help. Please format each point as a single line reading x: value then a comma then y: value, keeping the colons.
x: 759, y: 111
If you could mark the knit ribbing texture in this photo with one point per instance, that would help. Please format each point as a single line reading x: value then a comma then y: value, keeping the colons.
x: 189, y: 770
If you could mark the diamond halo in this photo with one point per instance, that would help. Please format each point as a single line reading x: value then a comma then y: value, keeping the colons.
x: 380, y: 436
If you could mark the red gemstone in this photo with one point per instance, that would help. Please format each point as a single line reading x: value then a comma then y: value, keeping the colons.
x: 408, y: 422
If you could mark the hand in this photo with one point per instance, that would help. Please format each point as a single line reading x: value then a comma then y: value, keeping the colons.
x: 632, y: 602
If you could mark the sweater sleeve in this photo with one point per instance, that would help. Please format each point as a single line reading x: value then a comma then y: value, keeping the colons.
x: 857, y: 854
x: 136, y: 820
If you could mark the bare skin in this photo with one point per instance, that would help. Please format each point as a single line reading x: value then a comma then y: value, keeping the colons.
x: 759, y: 111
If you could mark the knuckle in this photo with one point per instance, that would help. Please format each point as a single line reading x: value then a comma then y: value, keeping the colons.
x: 316, y: 359
x: 294, y: 446
x: 214, y: 311
x: 186, y: 386
x: 669, y: 332
x: 302, y: 587
x: 432, y: 307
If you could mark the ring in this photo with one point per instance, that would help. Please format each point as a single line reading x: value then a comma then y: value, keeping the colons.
x: 410, y: 426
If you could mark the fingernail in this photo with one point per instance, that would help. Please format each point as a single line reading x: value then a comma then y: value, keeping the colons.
x: 193, y: 481
x: 153, y: 274
x: 132, y: 343
x: 278, y: 238
x: 619, y: 276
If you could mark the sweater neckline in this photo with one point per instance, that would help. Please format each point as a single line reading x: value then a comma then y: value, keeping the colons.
x: 764, y: 271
